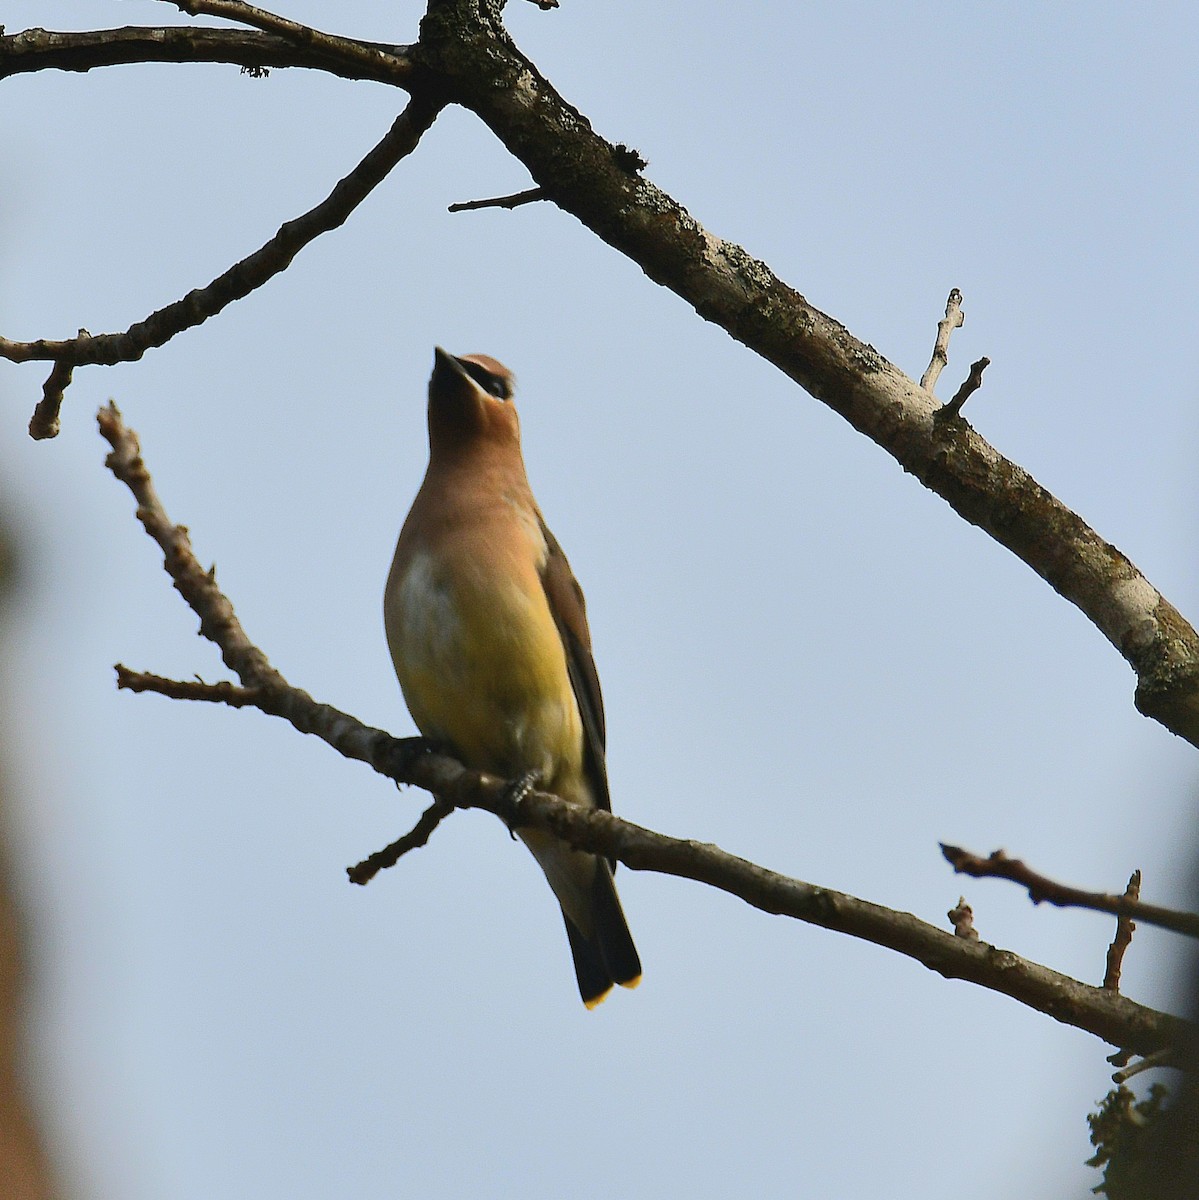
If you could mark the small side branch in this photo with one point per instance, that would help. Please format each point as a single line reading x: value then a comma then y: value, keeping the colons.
x: 240, y: 280
x: 328, y: 45
x: 44, y: 422
x: 973, y: 382
x: 514, y: 201
x: 1040, y: 887
x: 222, y: 692
x: 1125, y: 928
x: 953, y: 319
x: 362, y: 873
x: 962, y: 918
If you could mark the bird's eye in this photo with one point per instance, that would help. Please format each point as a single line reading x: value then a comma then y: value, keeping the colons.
x: 493, y: 385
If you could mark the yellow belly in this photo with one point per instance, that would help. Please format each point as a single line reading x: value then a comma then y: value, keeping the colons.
x: 482, y: 668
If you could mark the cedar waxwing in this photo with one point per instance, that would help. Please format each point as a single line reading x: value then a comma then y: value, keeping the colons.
x: 489, y: 638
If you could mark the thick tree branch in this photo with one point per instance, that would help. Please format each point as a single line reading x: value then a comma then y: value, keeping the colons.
x: 483, y: 70
x: 466, y: 54
x: 241, y: 279
x: 1040, y: 887
x: 1101, y: 1012
x: 43, y: 49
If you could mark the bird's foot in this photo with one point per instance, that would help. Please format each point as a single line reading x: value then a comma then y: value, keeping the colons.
x: 514, y: 793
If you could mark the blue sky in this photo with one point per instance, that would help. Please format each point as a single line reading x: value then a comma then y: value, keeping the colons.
x: 806, y: 658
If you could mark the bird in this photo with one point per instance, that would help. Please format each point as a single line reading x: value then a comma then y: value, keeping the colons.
x: 488, y: 633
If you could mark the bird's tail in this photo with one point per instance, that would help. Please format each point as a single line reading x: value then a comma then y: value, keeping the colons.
x: 600, y: 942
x: 608, y: 955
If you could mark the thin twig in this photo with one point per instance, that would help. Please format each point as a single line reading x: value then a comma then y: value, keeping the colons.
x: 221, y: 692
x: 362, y: 873
x: 973, y: 382
x: 1106, y: 1014
x: 513, y: 201
x: 1125, y: 927
x: 953, y: 319
x: 962, y: 918
x: 243, y: 277
x: 1040, y: 887
x: 326, y: 44
x: 44, y: 423
x: 1161, y: 1058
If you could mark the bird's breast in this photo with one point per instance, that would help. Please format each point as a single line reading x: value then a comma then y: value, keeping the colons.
x: 481, y: 663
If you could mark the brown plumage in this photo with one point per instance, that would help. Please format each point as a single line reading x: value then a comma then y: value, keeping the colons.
x: 488, y: 633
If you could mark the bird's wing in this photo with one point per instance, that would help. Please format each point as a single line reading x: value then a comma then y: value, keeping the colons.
x: 570, y: 615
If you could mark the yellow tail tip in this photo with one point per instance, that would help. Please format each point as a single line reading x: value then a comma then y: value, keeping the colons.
x: 596, y: 1001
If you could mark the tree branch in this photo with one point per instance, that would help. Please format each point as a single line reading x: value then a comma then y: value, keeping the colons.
x: 362, y: 873
x: 528, y: 196
x: 1125, y: 928
x: 971, y: 385
x: 43, y: 50
x: 467, y: 55
x: 481, y: 68
x: 1061, y: 895
x: 953, y: 319
x: 1102, y: 1012
x: 241, y: 279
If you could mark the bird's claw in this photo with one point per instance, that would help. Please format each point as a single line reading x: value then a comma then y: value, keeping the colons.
x: 514, y: 793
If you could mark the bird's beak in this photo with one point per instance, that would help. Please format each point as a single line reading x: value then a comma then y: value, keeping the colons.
x: 443, y: 360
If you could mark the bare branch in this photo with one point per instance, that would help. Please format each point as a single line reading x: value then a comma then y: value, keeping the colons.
x: 973, y: 382
x: 44, y: 422
x: 953, y: 319
x: 42, y: 49
x: 463, y: 42
x: 362, y: 873
x: 1040, y: 887
x: 1104, y: 1013
x: 326, y: 44
x: 1125, y: 928
x: 513, y: 201
x: 466, y: 54
x: 241, y: 279
x: 218, y: 622
x: 221, y: 692
x: 962, y: 917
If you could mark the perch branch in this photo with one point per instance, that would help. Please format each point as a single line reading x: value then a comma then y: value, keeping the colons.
x: 1125, y: 928
x: 241, y: 279
x: 1040, y: 887
x: 1106, y: 1014
x: 953, y: 319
